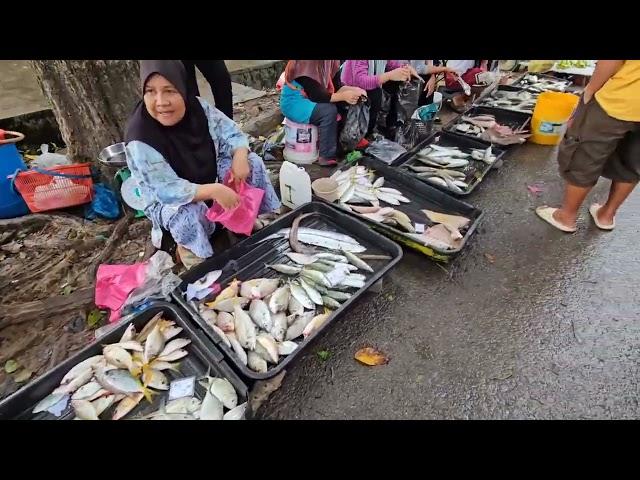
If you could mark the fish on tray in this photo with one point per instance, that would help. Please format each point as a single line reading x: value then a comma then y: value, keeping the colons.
x: 130, y: 370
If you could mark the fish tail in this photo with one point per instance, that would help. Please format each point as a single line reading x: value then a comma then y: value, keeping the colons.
x: 148, y: 394
x: 175, y: 367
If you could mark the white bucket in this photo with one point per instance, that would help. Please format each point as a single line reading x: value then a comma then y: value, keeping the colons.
x: 300, y: 142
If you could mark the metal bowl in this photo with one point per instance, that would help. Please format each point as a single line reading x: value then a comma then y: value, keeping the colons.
x: 114, y: 155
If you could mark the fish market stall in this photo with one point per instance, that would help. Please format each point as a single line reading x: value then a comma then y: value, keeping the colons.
x: 492, y: 125
x: 452, y: 163
x: 538, y: 83
x: 508, y: 97
x: 405, y: 209
x: 158, y: 366
x: 284, y: 285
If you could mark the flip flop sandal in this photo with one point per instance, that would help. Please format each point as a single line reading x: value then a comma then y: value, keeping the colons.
x: 323, y: 162
x: 593, y: 210
x: 546, y: 213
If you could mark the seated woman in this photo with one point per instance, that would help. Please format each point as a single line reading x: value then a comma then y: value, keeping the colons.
x: 471, y: 72
x: 373, y: 76
x: 178, y: 149
x: 309, y: 96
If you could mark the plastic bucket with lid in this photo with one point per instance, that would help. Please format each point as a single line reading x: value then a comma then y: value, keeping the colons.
x: 550, y: 117
x: 300, y: 142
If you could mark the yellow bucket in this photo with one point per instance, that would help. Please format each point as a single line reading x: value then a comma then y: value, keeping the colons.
x: 549, y: 120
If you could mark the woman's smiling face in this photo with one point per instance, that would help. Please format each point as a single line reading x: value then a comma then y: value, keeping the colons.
x: 163, y: 101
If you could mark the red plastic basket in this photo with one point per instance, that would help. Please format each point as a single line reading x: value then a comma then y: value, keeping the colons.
x: 57, y: 187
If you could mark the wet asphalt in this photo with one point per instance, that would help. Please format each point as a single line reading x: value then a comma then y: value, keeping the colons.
x: 528, y: 323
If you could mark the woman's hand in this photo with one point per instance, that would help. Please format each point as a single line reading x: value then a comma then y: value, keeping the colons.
x: 223, y: 195
x: 431, y: 85
x: 240, y: 166
x: 412, y: 71
x: 351, y: 95
x: 401, y: 74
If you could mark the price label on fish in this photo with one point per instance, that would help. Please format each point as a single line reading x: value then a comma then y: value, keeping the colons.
x: 183, y: 387
x: 419, y: 227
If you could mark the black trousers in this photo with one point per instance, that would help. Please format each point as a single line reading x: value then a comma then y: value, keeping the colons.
x: 375, y: 99
x: 216, y: 73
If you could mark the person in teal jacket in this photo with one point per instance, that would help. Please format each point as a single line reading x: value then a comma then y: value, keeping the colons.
x: 309, y: 96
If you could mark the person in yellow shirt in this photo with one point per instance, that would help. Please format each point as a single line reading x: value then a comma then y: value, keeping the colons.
x: 603, y: 139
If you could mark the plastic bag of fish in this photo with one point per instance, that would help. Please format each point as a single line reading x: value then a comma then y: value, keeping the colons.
x: 132, y: 369
x: 263, y: 320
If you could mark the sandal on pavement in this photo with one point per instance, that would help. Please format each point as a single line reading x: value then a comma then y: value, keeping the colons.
x: 593, y: 210
x: 546, y: 213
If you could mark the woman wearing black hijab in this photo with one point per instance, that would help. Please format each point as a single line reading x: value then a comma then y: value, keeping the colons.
x: 178, y: 149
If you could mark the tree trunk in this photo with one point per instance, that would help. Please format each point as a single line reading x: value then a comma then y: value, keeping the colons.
x: 91, y: 100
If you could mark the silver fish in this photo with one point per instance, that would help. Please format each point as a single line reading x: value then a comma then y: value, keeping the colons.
x: 84, y: 410
x: 388, y: 198
x: 279, y: 299
x: 221, y: 334
x: 316, y: 277
x: 286, y: 269
x: 313, y: 294
x: 301, y: 296
x: 162, y: 365
x: 174, y: 345
x: 295, y: 307
x: 259, y: 288
x: 129, y: 334
x: 154, y: 344
x: 331, y: 256
x: 245, y: 328
x: 173, y: 356
x: 287, y: 348
x: 49, y: 401
x: 353, y: 282
x: 237, y: 413
x: 259, y: 313
x: 319, y: 266
x: 183, y: 405
x: 237, y: 348
x: 224, y: 391
x: 149, y: 326
x: 340, y: 296
x: 86, y: 391
x: 301, y: 258
x: 315, y: 324
x: 119, y: 381
x: 130, y: 345
x: 267, y: 347
x: 170, y: 332
x: 279, y: 326
x: 118, y: 356
x: 292, y: 318
x: 225, y: 322
x: 358, y: 262
x: 102, y: 403
x: 155, y: 379
x: 229, y: 304
x: 330, y: 302
x: 82, y: 378
x: 436, y: 181
x: 212, y: 408
x: 256, y: 363
x: 298, y: 326
x: 80, y: 368
x: 126, y: 405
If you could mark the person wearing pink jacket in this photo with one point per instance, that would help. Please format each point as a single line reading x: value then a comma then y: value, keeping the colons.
x: 374, y: 76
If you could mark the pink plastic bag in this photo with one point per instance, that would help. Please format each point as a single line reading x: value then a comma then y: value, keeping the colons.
x: 242, y: 218
x: 114, y: 283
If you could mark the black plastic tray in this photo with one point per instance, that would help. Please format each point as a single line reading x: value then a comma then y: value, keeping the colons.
x: 548, y: 78
x: 423, y: 196
x: 448, y: 139
x: 203, y: 356
x: 512, y: 119
x: 247, y: 259
x: 482, y: 102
